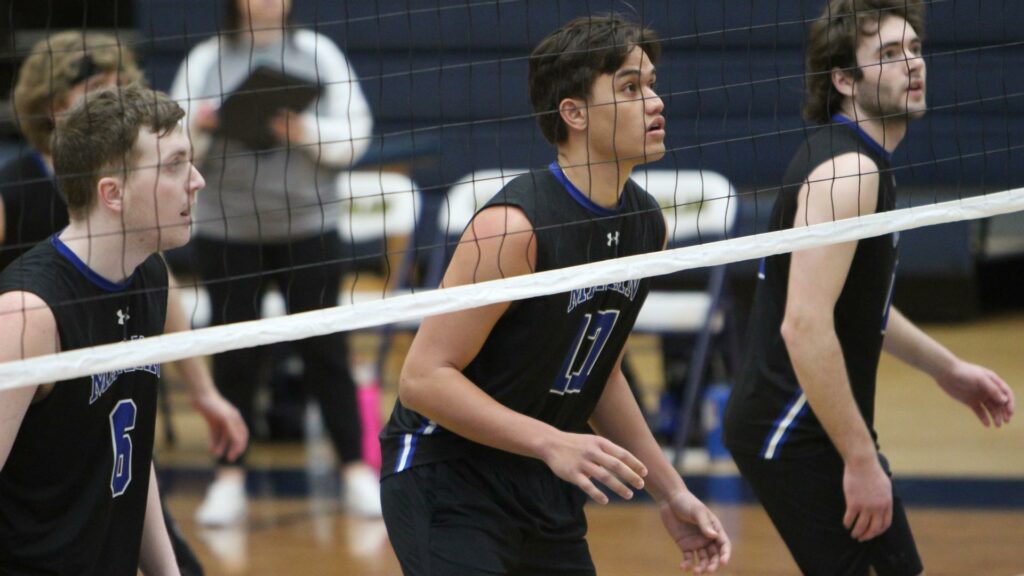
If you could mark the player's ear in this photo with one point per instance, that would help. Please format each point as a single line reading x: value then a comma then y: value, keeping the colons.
x: 111, y: 193
x: 843, y: 80
x: 574, y: 113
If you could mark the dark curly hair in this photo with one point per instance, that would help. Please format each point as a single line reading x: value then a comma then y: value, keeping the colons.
x: 832, y: 43
x: 566, y: 63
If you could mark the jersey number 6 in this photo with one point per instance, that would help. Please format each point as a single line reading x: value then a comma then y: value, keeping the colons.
x: 122, y: 421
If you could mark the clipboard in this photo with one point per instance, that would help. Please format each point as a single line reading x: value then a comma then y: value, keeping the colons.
x: 245, y: 114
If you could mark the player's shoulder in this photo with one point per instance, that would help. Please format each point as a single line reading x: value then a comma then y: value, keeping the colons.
x: 22, y: 302
x: 27, y: 315
x: 501, y: 220
x: 852, y: 169
x: 837, y: 150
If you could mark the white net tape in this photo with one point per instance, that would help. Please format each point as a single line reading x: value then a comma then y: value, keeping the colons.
x: 404, y: 308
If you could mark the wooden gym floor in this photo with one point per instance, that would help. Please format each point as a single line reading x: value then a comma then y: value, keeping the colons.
x: 964, y: 485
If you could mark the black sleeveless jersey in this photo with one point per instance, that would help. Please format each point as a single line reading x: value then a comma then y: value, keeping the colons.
x: 549, y: 357
x: 73, y: 491
x: 767, y: 413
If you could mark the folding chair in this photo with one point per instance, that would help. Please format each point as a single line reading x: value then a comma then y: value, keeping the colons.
x: 699, y: 206
x: 380, y: 213
x: 462, y: 201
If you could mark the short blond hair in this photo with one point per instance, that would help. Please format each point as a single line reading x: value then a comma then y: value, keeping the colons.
x: 55, y: 65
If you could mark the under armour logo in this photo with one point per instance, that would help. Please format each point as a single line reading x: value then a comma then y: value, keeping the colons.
x: 122, y: 316
x: 613, y: 238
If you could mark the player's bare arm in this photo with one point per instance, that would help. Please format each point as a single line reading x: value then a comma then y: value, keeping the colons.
x: 844, y: 188
x: 29, y: 329
x: 228, y: 433
x: 499, y: 243
x: 692, y: 526
x: 981, y: 389
x: 156, y: 557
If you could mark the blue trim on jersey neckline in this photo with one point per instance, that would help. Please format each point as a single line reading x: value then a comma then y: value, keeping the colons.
x: 871, y: 142
x: 580, y: 197
x: 89, y: 273
x: 38, y: 157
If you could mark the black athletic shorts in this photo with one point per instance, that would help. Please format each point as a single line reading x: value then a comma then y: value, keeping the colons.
x: 804, y: 498
x: 486, y: 515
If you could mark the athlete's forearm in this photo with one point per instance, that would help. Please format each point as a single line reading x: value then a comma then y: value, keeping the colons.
x: 194, y: 371
x: 910, y: 344
x: 617, y: 417
x: 156, y: 556
x: 14, y: 403
x: 449, y: 399
x: 820, y: 368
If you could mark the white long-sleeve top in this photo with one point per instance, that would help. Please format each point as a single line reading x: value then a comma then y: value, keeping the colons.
x: 289, y: 191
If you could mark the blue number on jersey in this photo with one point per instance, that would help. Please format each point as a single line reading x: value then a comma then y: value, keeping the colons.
x: 591, y: 338
x: 122, y: 421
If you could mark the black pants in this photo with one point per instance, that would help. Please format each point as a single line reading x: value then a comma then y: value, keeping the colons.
x: 484, y: 515
x: 308, y: 272
x: 804, y: 499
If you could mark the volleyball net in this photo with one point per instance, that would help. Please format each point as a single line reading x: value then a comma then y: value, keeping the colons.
x: 447, y: 122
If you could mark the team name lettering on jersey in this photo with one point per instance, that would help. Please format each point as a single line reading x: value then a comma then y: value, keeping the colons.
x: 629, y: 289
x: 102, y: 382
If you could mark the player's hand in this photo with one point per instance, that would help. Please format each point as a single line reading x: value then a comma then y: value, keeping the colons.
x: 583, y: 458
x: 287, y: 126
x: 868, y: 492
x: 982, y: 390
x: 696, y: 531
x: 228, y: 433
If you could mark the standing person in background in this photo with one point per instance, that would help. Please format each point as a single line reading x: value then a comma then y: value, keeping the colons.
x: 799, y: 422
x: 511, y: 415
x: 78, y: 494
x: 59, y: 71
x: 273, y: 214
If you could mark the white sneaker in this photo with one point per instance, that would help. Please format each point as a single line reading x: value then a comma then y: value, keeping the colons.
x: 225, y: 503
x: 361, y: 492
x: 229, y: 546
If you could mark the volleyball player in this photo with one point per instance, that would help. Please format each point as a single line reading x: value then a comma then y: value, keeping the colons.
x: 77, y: 491
x: 489, y: 455
x: 59, y: 70
x: 800, y: 419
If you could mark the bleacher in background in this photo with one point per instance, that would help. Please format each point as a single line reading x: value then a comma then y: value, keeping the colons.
x: 732, y: 73
x: 447, y: 83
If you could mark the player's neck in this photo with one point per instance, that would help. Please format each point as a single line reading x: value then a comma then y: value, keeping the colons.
x: 105, y: 247
x: 888, y: 132
x: 601, y: 182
